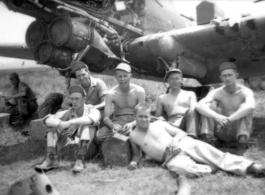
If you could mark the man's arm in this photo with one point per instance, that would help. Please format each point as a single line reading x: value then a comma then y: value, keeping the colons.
x: 203, y: 106
x: 102, y: 90
x: 172, y: 130
x: 67, y: 103
x: 107, y: 111
x: 245, y: 108
x: 159, y: 106
x: 193, y: 101
x: 136, y: 154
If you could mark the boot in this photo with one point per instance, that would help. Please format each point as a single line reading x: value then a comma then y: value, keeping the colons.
x: 51, y: 162
x: 79, y: 166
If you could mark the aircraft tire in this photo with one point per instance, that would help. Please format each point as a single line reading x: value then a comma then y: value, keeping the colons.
x: 51, y: 104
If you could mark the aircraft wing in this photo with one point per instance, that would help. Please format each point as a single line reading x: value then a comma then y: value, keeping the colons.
x: 16, y: 51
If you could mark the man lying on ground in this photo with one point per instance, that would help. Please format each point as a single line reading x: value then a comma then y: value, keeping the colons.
x: 125, y: 96
x: 76, y: 125
x: 227, y: 110
x: 179, y: 105
x: 181, y: 153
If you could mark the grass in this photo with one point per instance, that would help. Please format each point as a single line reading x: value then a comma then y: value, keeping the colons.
x: 18, y: 155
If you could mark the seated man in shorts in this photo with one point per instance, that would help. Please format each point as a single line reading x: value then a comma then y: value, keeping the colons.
x: 179, y: 105
x: 76, y: 125
x: 227, y: 111
x: 180, y: 153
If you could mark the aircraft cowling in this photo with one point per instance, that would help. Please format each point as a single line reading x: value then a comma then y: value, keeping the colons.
x: 36, y: 33
x: 144, y: 51
x: 72, y: 34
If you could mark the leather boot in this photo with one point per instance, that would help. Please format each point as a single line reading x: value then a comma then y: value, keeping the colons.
x: 51, y: 162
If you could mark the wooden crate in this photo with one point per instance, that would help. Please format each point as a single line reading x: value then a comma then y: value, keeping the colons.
x: 38, y: 130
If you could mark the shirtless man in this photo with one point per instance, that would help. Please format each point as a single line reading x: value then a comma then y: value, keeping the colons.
x: 181, y: 153
x: 231, y: 119
x: 178, y: 104
x: 68, y: 127
x: 125, y: 96
x: 94, y: 87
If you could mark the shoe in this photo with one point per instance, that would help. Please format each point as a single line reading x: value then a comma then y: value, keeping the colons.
x: 256, y: 170
x: 51, y: 162
x: 79, y: 166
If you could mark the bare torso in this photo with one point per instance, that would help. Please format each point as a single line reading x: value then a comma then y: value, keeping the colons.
x: 176, y: 104
x: 154, y: 141
x: 229, y: 103
x: 124, y: 103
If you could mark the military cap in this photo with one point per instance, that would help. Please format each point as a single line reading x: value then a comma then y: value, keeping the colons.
x: 125, y: 67
x: 227, y: 65
x: 76, y: 89
x: 78, y: 65
x: 13, y: 75
x: 174, y: 70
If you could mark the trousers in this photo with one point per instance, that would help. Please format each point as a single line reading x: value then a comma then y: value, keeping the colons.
x: 196, y: 158
x: 187, y: 122
x: 229, y: 133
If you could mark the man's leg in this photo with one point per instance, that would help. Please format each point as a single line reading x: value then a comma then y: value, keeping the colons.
x: 51, y: 161
x: 190, y: 123
x: 182, y: 164
x: 204, y: 153
x: 244, y: 129
x: 86, y: 135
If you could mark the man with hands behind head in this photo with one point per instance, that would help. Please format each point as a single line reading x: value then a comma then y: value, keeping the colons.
x: 76, y: 125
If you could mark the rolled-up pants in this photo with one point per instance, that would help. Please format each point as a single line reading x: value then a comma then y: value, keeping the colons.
x: 229, y: 133
x: 197, y: 158
x: 60, y: 140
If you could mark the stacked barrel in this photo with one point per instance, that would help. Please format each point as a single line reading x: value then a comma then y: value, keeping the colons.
x: 54, y: 44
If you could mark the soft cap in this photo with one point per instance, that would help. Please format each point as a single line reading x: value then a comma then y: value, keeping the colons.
x: 227, y: 65
x: 174, y: 70
x: 77, y: 65
x: 124, y: 67
x: 76, y: 89
x: 13, y: 75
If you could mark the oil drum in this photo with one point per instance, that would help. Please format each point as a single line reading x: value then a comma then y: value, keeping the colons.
x: 35, y: 34
x: 56, y: 57
x: 67, y: 32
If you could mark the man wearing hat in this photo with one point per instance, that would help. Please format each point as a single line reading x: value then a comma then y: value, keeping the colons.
x: 125, y: 96
x: 94, y: 87
x: 21, y: 100
x: 73, y: 126
x: 227, y: 110
x: 179, y: 105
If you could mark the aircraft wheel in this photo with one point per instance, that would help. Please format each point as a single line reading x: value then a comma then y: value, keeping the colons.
x: 51, y: 104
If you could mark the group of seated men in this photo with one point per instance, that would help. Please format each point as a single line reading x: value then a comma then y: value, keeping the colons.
x: 226, y: 115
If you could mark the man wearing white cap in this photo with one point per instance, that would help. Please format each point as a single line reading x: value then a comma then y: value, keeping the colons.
x: 95, y: 88
x: 125, y: 96
x: 231, y: 119
x: 76, y: 125
x: 179, y: 105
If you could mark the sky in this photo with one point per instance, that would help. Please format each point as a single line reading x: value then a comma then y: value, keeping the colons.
x: 14, y: 25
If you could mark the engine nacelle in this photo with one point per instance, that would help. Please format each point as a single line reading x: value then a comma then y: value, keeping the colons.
x: 67, y: 32
x: 56, y: 57
x: 36, y: 33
